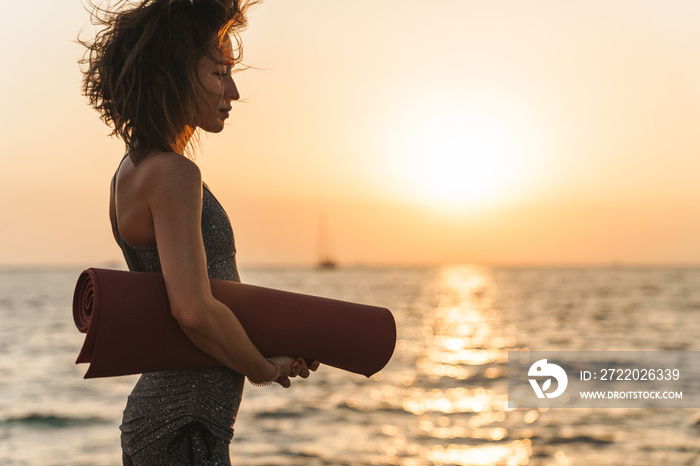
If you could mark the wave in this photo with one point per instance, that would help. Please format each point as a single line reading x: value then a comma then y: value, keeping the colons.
x: 599, y: 440
x: 51, y: 421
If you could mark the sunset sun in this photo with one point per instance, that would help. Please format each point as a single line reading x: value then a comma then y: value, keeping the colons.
x: 459, y: 159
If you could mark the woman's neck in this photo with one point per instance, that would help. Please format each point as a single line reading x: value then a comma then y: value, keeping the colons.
x: 183, y: 139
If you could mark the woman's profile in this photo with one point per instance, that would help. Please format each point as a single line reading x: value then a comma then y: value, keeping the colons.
x: 157, y: 72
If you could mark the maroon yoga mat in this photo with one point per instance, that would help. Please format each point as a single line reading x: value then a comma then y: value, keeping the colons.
x: 130, y: 330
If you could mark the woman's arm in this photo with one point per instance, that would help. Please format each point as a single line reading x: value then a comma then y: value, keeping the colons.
x: 175, y: 203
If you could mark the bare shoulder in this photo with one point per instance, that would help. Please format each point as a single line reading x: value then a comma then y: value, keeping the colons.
x: 169, y: 177
x: 170, y: 170
x: 163, y: 185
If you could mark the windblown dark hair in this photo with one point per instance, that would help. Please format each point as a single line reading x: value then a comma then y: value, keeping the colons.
x: 140, y: 71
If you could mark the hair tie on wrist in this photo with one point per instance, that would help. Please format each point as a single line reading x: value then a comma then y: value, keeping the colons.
x: 269, y: 382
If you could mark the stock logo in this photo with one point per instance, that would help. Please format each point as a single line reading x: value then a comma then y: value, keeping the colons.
x: 543, y: 369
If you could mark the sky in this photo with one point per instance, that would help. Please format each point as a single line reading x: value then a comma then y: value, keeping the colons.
x: 455, y: 131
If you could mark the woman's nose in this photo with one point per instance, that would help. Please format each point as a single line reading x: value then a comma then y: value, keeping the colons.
x: 230, y: 89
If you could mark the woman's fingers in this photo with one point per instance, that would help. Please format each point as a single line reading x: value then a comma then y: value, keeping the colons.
x: 305, y: 369
x: 300, y: 369
x: 284, y: 381
x: 314, y: 365
x: 292, y: 368
x: 296, y: 368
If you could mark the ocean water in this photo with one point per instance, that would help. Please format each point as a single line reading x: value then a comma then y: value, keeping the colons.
x: 442, y: 400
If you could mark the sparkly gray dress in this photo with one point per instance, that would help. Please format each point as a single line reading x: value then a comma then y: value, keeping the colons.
x: 184, y: 416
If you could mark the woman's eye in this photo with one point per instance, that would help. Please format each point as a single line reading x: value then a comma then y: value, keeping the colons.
x: 225, y: 71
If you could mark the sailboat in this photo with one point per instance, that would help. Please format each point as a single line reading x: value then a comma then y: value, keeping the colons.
x: 325, y: 262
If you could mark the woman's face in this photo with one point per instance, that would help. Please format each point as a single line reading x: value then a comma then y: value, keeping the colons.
x: 219, y: 91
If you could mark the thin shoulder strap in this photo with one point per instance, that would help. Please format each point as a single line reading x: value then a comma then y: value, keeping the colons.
x: 114, y: 197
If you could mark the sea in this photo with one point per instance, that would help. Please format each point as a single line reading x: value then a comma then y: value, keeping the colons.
x: 441, y: 400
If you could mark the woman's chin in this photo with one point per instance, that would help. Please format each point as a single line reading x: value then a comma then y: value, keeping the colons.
x: 214, y: 127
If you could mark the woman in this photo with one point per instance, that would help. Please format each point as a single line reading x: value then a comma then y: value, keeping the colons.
x: 156, y: 72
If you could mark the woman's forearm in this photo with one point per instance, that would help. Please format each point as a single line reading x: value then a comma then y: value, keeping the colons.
x: 216, y: 331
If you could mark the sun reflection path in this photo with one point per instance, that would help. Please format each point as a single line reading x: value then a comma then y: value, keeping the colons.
x: 464, y: 332
x: 459, y: 395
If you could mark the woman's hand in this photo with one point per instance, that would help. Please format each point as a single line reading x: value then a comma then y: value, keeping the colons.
x: 290, y: 368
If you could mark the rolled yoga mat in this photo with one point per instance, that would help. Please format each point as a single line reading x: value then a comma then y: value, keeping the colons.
x: 129, y: 328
